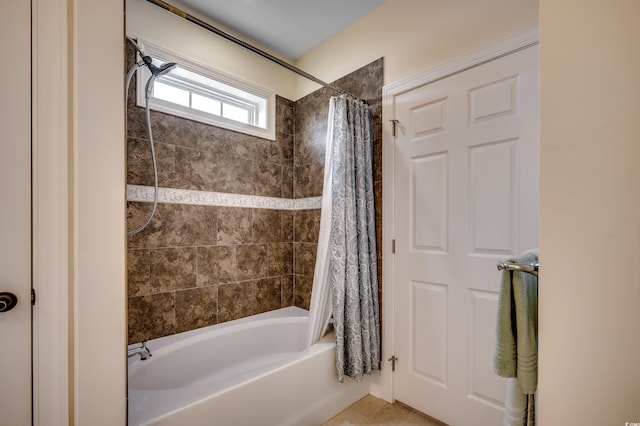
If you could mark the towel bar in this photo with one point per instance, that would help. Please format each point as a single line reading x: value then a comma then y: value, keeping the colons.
x: 531, y: 269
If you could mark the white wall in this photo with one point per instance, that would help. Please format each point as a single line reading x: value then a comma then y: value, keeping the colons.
x: 151, y: 23
x: 415, y: 35
x: 590, y: 213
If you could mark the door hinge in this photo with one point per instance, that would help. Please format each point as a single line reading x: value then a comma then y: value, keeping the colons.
x: 395, y: 124
x: 33, y: 297
x: 393, y: 360
x: 393, y: 246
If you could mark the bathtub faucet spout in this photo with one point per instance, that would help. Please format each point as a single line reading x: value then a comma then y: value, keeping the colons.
x: 142, y: 350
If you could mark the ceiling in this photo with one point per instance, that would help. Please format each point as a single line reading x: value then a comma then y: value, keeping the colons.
x: 289, y: 27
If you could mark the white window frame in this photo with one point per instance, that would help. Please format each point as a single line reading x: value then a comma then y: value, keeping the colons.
x: 268, y: 109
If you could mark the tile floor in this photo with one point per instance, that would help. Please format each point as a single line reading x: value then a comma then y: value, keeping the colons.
x: 373, y: 411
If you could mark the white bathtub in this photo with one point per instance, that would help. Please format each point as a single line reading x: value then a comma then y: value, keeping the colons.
x: 252, y: 371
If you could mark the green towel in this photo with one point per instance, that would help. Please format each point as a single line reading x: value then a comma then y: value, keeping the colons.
x: 516, y: 352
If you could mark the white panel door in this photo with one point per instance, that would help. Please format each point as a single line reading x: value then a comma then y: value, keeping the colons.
x: 15, y: 216
x: 466, y: 187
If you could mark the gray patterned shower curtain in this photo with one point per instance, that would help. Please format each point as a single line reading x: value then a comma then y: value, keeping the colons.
x: 346, y: 267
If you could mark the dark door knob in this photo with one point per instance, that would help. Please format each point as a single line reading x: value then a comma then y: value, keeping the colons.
x: 7, y: 301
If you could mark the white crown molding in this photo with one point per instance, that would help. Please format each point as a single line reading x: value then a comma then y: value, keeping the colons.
x: 205, y: 198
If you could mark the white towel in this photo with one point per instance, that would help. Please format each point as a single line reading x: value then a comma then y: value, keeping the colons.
x: 519, y: 408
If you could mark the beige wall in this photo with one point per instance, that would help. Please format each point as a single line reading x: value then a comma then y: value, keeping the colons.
x: 415, y: 35
x: 98, y: 231
x: 590, y: 213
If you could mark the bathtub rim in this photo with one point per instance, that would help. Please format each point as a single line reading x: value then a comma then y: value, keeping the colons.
x: 161, y: 342
x: 163, y: 348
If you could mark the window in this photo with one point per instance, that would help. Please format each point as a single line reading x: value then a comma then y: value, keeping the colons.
x: 197, y: 92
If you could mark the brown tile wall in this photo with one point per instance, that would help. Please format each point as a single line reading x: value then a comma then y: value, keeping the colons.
x: 306, y: 227
x: 195, y: 266
x: 310, y: 114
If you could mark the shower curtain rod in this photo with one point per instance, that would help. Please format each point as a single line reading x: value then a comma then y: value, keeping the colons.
x: 223, y: 34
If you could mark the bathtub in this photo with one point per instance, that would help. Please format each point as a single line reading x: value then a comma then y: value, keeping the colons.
x: 252, y: 371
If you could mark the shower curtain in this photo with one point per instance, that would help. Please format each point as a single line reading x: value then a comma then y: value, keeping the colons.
x: 345, y: 280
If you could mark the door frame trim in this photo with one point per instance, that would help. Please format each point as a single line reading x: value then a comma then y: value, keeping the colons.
x: 384, y: 386
x: 51, y: 217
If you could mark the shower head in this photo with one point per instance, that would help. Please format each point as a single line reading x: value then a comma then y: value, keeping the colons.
x: 157, y: 71
x: 163, y: 69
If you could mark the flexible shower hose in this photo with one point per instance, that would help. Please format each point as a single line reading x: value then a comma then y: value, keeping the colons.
x: 148, y: 87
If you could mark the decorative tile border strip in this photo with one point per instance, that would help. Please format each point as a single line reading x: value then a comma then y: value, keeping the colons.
x: 220, y: 199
